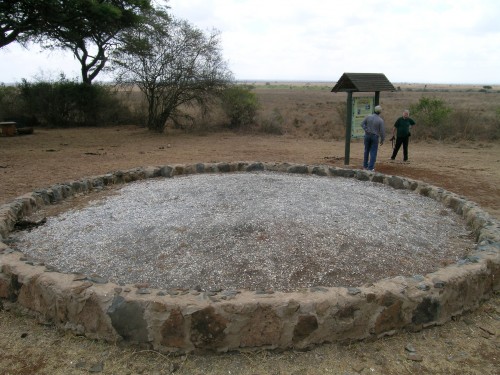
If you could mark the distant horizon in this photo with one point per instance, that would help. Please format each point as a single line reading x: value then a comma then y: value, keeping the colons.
x: 273, y: 80
x: 393, y: 82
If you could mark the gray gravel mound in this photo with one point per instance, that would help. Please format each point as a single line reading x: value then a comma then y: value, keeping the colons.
x: 253, y: 231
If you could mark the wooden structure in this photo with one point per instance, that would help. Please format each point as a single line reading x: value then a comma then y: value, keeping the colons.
x: 9, y: 128
x: 359, y: 82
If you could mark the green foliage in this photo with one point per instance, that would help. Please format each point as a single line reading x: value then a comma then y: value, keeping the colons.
x: 21, y: 19
x: 240, y: 104
x: 10, y: 104
x: 431, y: 115
x: 89, y: 29
x: 68, y: 103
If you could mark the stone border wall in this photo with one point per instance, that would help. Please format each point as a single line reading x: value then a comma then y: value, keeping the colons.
x: 181, y: 321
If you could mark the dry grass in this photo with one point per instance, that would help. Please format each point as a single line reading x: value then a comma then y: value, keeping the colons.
x: 468, y: 345
x: 312, y: 110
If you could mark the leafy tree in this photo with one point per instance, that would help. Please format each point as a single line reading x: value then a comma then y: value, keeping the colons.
x: 90, y: 29
x: 19, y: 19
x: 174, y: 64
x: 240, y: 104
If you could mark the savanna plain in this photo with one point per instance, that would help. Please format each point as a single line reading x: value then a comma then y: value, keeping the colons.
x: 296, y: 123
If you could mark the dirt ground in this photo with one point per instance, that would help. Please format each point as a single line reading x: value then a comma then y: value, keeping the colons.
x: 467, y: 345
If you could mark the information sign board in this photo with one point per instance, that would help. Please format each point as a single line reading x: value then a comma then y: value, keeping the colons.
x: 361, y: 107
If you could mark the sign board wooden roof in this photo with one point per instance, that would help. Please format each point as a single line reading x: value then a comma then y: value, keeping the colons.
x: 363, y: 82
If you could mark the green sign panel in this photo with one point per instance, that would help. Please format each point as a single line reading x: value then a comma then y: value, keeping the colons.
x: 361, y: 107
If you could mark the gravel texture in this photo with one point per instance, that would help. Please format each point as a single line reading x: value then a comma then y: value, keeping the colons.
x: 258, y: 231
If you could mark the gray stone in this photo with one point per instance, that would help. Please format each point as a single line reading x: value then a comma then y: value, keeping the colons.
x: 339, y: 172
x: 353, y: 291
x: 98, y: 279
x: 127, y: 318
x: 396, y: 182
x: 426, y: 311
x: 97, y: 367
x: 223, y: 167
x: 473, y: 258
x: 362, y: 176
x: 166, y: 171
x: 319, y: 171
x: 302, y: 169
x: 200, y: 168
x: 378, y: 178
x: 438, y: 284
x: 410, y: 348
x: 423, y: 286
x: 255, y: 167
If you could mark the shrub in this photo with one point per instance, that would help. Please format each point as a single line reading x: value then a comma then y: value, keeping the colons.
x: 240, y: 105
x: 10, y: 104
x: 269, y: 127
x: 273, y: 124
x: 67, y: 103
x: 461, y: 121
x: 431, y: 115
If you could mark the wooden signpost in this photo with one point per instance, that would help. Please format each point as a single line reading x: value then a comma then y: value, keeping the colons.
x: 359, y: 82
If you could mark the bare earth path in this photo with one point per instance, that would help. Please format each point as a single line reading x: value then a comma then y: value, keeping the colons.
x: 468, y: 345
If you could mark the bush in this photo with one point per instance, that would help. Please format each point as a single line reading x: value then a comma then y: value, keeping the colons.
x: 431, y: 114
x: 273, y: 124
x: 67, y: 103
x: 240, y: 105
x: 10, y: 104
x: 462, y: 124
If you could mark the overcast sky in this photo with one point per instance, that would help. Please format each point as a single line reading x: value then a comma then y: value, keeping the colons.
x: 425, y: 41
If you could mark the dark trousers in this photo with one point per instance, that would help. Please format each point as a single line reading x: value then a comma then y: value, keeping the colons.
x: 401, y: 141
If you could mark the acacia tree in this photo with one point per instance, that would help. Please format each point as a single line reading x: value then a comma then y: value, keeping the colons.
x: 21, y: 19
x: 174, y: 64
x: 90, y: 29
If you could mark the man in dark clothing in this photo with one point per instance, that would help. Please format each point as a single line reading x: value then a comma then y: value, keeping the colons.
x: 402, y: 126
x: 373, y: 125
